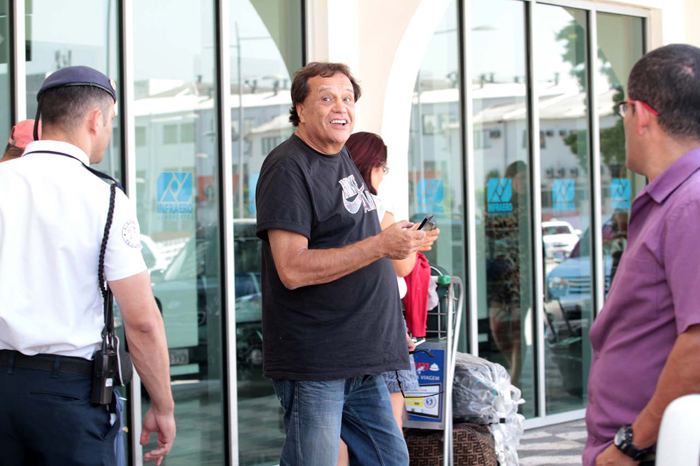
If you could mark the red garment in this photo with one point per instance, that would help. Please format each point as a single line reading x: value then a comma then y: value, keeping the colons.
x: 416, y: 299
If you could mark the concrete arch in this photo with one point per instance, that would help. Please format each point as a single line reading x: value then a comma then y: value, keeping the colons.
x: 398, y: 99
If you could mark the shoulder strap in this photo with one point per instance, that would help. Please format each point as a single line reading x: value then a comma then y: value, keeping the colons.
x: 108, y: 299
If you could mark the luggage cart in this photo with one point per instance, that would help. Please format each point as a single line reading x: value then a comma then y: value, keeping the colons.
x: 443, y: 331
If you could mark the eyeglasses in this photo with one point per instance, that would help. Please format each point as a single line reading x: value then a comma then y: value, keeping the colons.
x: 624, y: 105
x: 385, y: 170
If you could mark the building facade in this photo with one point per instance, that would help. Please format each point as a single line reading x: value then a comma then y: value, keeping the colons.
x: 499, y: 119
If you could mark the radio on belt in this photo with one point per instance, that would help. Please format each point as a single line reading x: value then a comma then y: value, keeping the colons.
x: 105, y: 368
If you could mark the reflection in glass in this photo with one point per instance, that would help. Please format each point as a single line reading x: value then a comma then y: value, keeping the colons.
x: 177, y: 196
x: 503, y: 217
x: 620, y: 45
x: 266, y: 50
x: 560, y: 38
x: 5, y: 94
x: 72, y: 33
x: 435, y: 148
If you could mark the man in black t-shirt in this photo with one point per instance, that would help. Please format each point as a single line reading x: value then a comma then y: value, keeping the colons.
x: 332, y: 322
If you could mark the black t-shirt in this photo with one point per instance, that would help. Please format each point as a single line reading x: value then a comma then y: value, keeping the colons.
x: 346, y: 328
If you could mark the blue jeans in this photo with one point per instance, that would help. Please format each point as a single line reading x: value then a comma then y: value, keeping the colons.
x: 358, y: 410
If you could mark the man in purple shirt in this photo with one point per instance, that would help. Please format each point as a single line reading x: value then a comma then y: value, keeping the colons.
x: 646, y: 340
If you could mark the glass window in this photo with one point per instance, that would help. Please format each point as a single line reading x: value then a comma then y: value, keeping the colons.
x: 502, y: 174
x: 187, y: 132
x: 5, y: 83
x: 266, y: 50
x: 620, y: 45
x: 435, y: 146
x: 177, y: 186
x: 562, y: 84
x: 141, y: 136
x: 170, y: 134
x: 71, y: 33
x: 557, y: 230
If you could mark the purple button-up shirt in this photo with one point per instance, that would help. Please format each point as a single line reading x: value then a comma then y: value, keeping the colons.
x: 655, y: 297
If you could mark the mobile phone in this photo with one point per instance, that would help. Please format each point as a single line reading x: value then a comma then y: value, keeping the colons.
x: 425, y: 221
x: 430, y: 227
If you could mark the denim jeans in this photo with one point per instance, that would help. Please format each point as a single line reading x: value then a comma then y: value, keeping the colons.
x: 358, y: 410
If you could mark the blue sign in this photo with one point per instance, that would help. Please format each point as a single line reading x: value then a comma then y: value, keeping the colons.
x: 499, y: 192
x: 563, y: 194
x: 621, y: 193
x: 426, y: 404
x: 430, y: 191
x: 174, y: 191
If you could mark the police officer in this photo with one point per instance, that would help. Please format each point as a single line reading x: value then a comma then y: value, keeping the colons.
x: 51, y: 310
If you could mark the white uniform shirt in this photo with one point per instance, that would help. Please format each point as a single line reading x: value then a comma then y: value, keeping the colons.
x: 383, y: 208
x: 52, y: 216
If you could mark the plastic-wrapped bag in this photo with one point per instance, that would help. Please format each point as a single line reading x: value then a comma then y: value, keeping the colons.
x: 506, y: 438
x: 483, y: 394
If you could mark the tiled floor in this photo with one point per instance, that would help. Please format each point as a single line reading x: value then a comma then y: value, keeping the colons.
x: 559, y: 445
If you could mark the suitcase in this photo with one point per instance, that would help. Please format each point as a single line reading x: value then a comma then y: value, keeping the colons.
x: 473, y: 446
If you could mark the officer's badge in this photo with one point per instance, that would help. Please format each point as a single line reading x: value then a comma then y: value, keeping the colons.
x: 130, y: 234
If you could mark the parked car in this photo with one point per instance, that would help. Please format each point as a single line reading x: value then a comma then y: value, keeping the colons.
x: 188, y: 294
x: 570, y: 281
x: 151, y: 255
x: 559, y: 239
x: 568, y: 305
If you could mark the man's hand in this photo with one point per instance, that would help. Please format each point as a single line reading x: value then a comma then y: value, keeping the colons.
x: 430, y: 237
x: 411, y: 344
x: 399, y: 240
x: 164, y: 426
x: 145, y: 331
x: 611, y: 456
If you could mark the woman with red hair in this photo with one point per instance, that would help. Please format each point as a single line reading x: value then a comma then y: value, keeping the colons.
x: 369, y: 153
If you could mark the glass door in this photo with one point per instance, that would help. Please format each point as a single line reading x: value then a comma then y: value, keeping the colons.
x: 266, y: 50
x: 560, y: 37
x: 620, y: 45
x: 499, y: 87
x: 177, y: 196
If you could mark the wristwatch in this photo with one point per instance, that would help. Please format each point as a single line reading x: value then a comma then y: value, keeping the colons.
x: 624, y: 442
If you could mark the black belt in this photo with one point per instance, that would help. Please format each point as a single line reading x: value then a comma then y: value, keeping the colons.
x: 46, y: 362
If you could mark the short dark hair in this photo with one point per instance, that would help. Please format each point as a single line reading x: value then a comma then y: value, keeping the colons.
x: 300, y: 85
x: 65, y: 107
x: 668, y: 79
x: 12, y: 152
x: 368, y: 151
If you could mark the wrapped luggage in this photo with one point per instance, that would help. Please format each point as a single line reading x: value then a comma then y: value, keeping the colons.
x: 484, y: 395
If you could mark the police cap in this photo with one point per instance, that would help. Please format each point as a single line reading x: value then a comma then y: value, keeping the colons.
x: 74, y: 76
x: 79, y: 76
